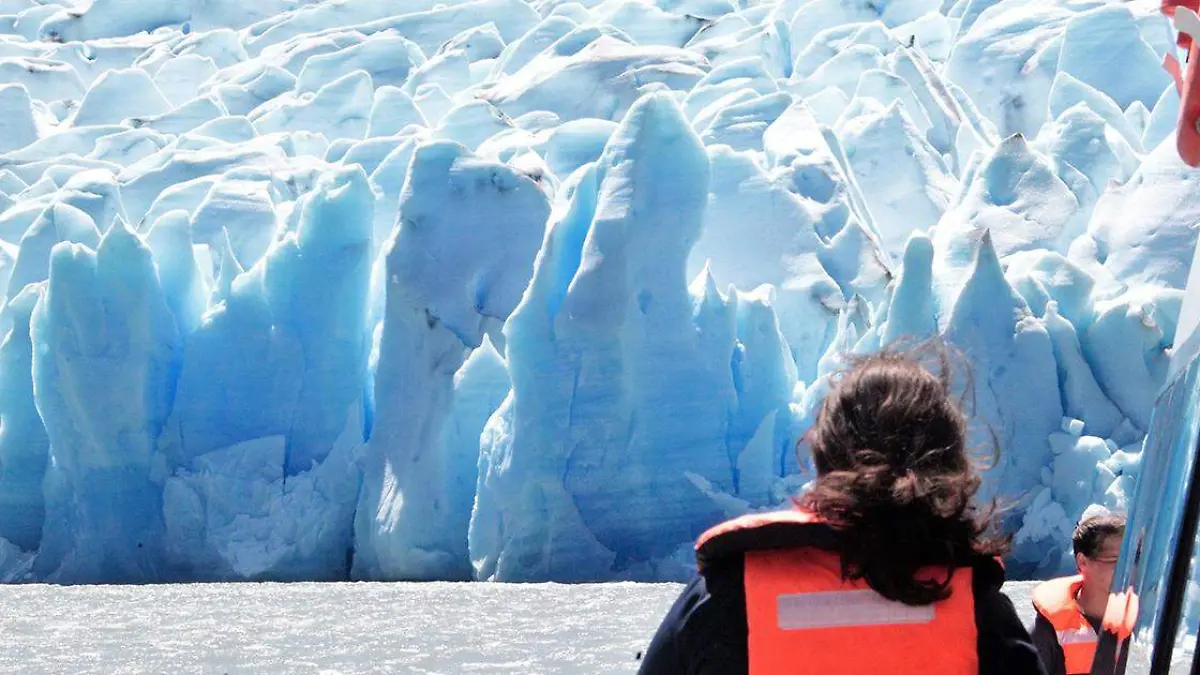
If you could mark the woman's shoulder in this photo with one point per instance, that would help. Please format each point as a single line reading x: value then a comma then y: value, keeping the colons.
x: 1004, y: 644
x: 987, y: 574
x: 705, y: 631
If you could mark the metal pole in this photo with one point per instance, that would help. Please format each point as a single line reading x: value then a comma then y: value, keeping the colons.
x: 1177, y: 577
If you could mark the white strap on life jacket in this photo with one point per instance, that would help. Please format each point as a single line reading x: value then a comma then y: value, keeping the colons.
x: 1079, y: 635
x: 844, y: 609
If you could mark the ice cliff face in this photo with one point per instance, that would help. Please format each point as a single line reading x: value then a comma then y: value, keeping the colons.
x: 487, y: 219
x: 529, y: 289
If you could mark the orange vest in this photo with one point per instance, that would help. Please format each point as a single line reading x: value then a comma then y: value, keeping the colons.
x: 804, y: 618
x: 1055, y: 600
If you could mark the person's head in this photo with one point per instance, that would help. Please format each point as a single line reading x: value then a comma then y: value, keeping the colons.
x: 894, y: 476
x: 1097, y: 544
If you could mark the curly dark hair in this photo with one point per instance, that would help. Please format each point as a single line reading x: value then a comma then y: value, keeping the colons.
x: 894, y: 476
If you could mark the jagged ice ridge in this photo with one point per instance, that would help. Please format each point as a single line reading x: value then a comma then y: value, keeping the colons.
x: 538, y: 290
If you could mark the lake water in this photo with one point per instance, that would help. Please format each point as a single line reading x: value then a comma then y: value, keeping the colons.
x: 336, y: 628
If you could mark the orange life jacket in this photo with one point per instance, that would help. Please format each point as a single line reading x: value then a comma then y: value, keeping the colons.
x: 1055, y: 600
x: 803, y: 617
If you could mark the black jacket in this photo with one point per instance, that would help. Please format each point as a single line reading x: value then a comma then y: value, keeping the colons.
x: 1045, y: 638
x: 704, y: 633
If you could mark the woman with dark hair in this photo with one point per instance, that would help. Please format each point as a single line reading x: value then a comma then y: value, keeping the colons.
x: 886, y: 565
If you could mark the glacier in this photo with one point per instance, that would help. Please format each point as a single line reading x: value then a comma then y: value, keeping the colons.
x: 538, y: 290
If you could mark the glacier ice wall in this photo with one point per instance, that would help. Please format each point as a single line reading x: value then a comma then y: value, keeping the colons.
x: 530, y: 289
x: 468, y: 230
x: 620, y: 384
x: 103, y: 325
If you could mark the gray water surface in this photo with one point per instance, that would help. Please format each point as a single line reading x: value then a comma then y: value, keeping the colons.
x: 336, y: 628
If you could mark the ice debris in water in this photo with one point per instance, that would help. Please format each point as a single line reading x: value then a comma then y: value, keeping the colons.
x: 529, y: 290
